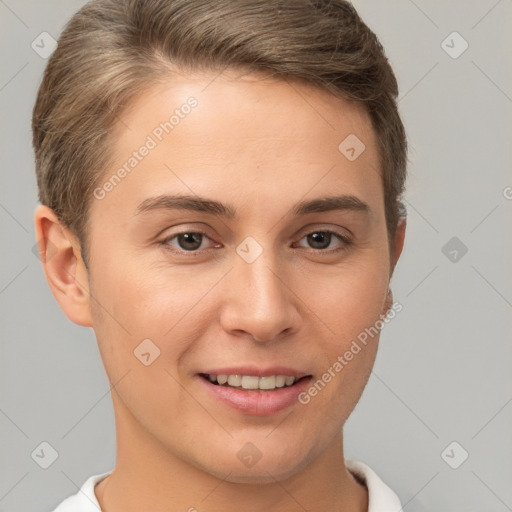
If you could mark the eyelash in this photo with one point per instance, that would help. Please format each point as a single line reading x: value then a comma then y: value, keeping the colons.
x: 346, y: 242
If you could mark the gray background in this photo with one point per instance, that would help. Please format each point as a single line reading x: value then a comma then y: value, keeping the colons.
x: 443, y: 369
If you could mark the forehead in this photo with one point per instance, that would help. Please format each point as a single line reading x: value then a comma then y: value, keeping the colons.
x: 235, y: 106
x: 252, y: 135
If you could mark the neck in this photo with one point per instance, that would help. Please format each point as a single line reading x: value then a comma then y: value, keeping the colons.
x: 148, y: 477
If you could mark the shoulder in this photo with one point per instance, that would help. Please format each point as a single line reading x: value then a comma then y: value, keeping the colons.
x: 85, y: 499
x: 381, y: 498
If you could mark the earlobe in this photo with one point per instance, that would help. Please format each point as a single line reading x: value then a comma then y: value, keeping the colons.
x: 388, y: 303
x: 65, y: 271
x: 398, y: 245
x: 399, y: 239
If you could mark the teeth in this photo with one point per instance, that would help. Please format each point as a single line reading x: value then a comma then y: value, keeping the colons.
x: 235, y: 380
x: 252, y: 382
x: 248, y: 382
x: 280, y: 381
x: 289, y: 381
x: 268, y: 382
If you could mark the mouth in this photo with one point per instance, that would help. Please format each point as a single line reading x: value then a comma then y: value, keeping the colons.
x: 253, y: 382
x: 252, y: 390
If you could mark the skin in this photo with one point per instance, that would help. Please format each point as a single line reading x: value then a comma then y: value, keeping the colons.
x: 260, y: 145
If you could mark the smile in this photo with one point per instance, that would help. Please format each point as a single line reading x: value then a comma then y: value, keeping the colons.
x: 251, y: 382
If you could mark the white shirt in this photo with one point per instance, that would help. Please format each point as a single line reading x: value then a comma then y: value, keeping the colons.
x: 380, y: 497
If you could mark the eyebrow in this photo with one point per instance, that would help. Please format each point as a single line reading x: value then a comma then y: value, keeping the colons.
x: 201, y: 204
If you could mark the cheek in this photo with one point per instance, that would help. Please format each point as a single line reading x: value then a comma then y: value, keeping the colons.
x: 349, y: 302
x: 141, y: 338
x: 349, y: 307
x: 142, y: 302
x: 139, y: 310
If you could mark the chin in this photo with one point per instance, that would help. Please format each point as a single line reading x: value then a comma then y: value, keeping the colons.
x: 263, y: 475
x: 266, y: 470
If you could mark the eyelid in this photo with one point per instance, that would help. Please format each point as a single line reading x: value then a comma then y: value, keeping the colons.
x: 327, y: 228
x: 165, y: 241
x: 344, y: 239
x: 184, y: 231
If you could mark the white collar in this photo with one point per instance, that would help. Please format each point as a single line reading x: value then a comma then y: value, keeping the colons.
x: 380, y: 497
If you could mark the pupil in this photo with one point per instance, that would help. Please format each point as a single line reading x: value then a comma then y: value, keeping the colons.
x: 316, y: 238
x: 190, y: 238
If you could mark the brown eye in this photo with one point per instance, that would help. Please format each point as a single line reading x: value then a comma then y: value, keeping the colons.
x: 186, y: 241
x: 189, y: 241
x: 322, y: 240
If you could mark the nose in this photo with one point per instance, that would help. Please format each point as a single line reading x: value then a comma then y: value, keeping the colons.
x: 259, y: 300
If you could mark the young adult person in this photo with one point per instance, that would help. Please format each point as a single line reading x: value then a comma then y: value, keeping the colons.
x: 220, y: 190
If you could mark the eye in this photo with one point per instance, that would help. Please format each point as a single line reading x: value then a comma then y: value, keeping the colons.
x: 186, y: 241
x: 193, y: 242
x: 321, y: 240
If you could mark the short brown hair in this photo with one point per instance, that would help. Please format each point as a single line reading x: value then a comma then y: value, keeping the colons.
x: 111, y: 50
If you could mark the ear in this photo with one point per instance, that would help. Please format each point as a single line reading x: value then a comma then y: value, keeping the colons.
x: 398, y: 243
x: 396, y: 250
x: 60, y: 255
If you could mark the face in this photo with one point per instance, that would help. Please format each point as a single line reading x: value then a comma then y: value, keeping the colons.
x: 250, y: 274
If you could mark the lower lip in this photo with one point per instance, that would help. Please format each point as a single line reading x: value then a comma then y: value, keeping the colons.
x: 257, y: 402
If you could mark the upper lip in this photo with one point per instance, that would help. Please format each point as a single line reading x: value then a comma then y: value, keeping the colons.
x: 257, y: 372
